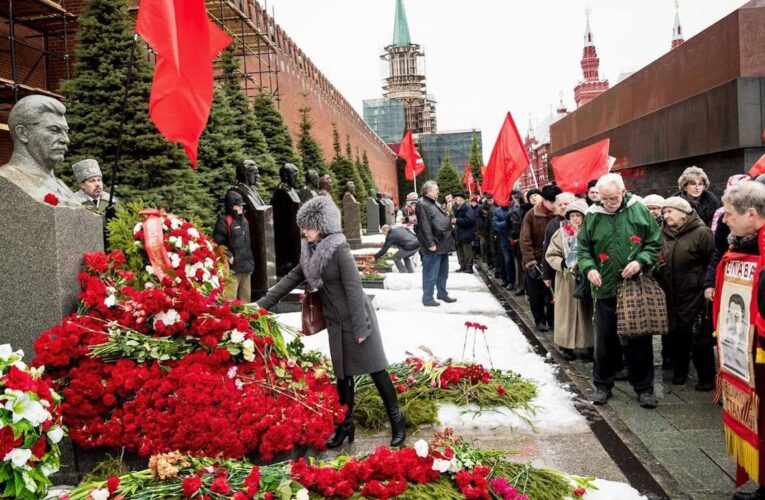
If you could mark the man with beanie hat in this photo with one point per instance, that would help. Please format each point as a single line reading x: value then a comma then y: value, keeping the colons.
x: 91, y: 193
x: 233, y: 231
x: 532, y: 255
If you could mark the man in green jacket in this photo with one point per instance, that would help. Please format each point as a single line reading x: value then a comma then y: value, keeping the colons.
x: 618, y: 240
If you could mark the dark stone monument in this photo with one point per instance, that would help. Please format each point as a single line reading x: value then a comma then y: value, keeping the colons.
x: 45, y: 232
x: 373, y: 213
x: 351, y: 216
x: 381, y: 207
x: 261, y: 219
x: 311, y: 188
x: 286, y: 203
x: 325, y: 186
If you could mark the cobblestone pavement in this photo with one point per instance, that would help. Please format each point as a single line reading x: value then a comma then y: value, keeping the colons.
x: 681, y: 442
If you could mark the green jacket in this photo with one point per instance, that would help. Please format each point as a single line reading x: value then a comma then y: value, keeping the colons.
x: 604, y: 233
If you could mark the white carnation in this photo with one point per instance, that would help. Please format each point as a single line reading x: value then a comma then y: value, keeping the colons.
x: 193, y: 233
x: 302, y: 495
x: 193, y: 246
x: 441, y: 465
x: 421, y: 447
x: 169, y: 317
x: 175, y: 259
x: 99, y: 494
x: 19, y: 456
x: 150, y: 269
x: 55, y: 434
x: 237, y: 337
x: 138, y: 227
x: 110, y: 301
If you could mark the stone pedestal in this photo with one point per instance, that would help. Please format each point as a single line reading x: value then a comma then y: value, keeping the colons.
x: 373, y: 216
x: 351, y: 220
x: 390, y: 217
x: 263, y: 250
x: 41, y: 249
x: 381, y: 210
x: 286, y: 232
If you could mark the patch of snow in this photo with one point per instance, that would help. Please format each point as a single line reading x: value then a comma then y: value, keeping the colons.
x: 469, y: 303
x: 371, y: 239
x: 610, y: 490
x: 456, y: 281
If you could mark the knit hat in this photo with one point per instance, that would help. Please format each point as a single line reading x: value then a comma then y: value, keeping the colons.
x: 577, y: 206
x: 735, y: 179
x: 654, y: 200
x: 549, y: 192
x: 320, y: 213
x: 531, y: 192
x: 459, y: 194
x: 85, y: 169
x: 678, y: 204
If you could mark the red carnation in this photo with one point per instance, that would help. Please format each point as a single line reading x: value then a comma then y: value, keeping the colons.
x: 112, y: 484
x: 636, y: 239
x: 220, y: 485
x: 240, y: 496
x: 190, y: 485
x: 603, y: 257
x: 252, y: 481
x: 501, y: 390
x: 579, y: 492
x: 401, y: 388
x: 51, y: 199
x: 38, y: 449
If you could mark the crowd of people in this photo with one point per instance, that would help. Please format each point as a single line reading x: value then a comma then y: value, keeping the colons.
x: 567, y: 253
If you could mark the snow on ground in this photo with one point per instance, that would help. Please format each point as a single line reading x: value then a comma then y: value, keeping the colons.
x: 610, y: 490
x: 456, y: 281
x: 373, y: 239
x: 411, y: 301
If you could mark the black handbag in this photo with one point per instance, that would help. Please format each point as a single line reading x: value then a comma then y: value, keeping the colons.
x: 702, y: 332
x: 582, y: 290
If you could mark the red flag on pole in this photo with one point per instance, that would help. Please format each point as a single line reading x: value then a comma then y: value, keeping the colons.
x: 186, y: 43
x: 574, y: 170
x: 407, y: 151
x: 758, y: 168
x: 468, y: 180
x: 507, y: 162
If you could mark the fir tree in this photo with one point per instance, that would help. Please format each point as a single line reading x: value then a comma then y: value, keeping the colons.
x: 344, y: 171
x: 276, y: 132
x: 475, y: 160
x: 366, y: 173
x: 221, y: 150
x: 151, y: 168
x: 448, y: 179
x: 245, y: 124
x: 310, y: 150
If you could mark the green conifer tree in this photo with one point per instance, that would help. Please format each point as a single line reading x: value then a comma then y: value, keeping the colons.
x: 448, y: 179
x: 151, y: 168
x: 475, y: 160
x: 366, y: 172
x: 344, y: 171
x: 221, y: 150
x: 245, y: 124
x: 276, y: 132
x: 310, y: 150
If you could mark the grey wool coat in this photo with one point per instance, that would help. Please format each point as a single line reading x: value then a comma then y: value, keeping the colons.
x: 348, y: 312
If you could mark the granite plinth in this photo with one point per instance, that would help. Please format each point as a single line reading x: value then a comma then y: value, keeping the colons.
x: 351, y: 220
x: 41, y: 247
x: 381, y: 210
x: 286, y: 232
x: 373, y: 216
x: 263, y: 250
x: 373, y: 283
x: 390, y: 218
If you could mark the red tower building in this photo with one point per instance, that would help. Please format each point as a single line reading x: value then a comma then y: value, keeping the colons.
x: 592, y: 86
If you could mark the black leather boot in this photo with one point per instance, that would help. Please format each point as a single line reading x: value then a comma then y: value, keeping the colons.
x: 397, y: 419
x: 757, y: 495
x: 347, y: 429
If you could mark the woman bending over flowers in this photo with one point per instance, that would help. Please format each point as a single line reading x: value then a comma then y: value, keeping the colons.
x: 326, y: 265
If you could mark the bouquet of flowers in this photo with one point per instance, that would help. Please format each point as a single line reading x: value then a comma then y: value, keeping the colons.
x: 30, y: 428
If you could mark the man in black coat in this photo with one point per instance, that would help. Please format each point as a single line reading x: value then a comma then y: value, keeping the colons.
x: 465, y: 222
x: 407, y: 244
x: 436, y: 236
x: 233, y: 231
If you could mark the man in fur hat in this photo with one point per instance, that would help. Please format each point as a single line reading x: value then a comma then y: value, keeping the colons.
x: 91, y: 193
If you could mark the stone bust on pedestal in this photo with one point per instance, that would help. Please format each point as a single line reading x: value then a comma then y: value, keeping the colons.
x: 40, y: 140
x: 248, y: 178
x: 350, y: 189
x: 286, y: 203
x: 310, y: 190
x: 325, y: 186
x: 351, y: 216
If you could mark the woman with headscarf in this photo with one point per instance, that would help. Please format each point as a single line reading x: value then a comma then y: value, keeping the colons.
x: 355, y: 346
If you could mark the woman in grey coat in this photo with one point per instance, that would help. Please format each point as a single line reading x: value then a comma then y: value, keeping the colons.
x: 355, y: 346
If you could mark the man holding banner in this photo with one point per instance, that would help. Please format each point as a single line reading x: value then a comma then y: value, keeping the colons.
x: 739, y: 280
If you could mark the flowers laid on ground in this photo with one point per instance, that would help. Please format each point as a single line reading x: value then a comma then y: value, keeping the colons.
x: 367, y: 262
x: 445, y: 468
x: 51, y: 199
x: 476, y: 327
x: 371, y: 275
x: 30, y: 428
x: 424, y: 383
x: 156, y: 365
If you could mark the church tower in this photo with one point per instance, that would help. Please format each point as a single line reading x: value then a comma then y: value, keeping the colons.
x: 404, y: 77
x: 677, y: 29
x: 592, y: 86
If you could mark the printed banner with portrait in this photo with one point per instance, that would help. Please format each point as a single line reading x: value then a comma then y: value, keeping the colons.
x: 734, y: 315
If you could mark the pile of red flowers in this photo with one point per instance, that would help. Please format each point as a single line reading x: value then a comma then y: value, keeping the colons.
x: 444, y: 375
x: 229, y: 394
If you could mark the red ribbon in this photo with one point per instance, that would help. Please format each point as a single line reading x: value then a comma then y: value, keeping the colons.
x: 154, y: 241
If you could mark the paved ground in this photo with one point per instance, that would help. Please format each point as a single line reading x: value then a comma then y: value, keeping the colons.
x: 681, y: 443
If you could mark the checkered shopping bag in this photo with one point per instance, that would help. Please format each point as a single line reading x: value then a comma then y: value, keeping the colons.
x: 641, y: 307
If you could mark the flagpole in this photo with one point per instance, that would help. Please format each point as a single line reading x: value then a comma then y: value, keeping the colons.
x: 533, y: 176
x: 414, y: 178
x: 128, y: 78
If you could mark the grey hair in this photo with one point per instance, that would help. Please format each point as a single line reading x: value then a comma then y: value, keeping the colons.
x: 745, y: 195
x: 565, y: 196
x: 428, y: 187
x: 610, y: 180
x: 690, y: 174
x: 29, y: 109
x: 411, y: 196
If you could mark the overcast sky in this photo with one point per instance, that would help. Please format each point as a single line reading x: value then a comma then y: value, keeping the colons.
x: 487, y: 57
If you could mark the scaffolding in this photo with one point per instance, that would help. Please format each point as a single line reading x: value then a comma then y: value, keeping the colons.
x: 253, y: 33
x: 37, y: 40
x: 457, y: 144
x: 404, y: 80
x: 386, y: 117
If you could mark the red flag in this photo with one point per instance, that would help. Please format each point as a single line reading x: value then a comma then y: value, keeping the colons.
x: 468, y: 180
x: 758, y: 168
x: 574, y: 170
x: 408, y: 152
x: 507, y: 162
x: 186, y: 43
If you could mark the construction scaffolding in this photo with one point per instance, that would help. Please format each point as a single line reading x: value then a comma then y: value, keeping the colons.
x: 386, y: 117
x: 253, y: 34
x: 35, y: 35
